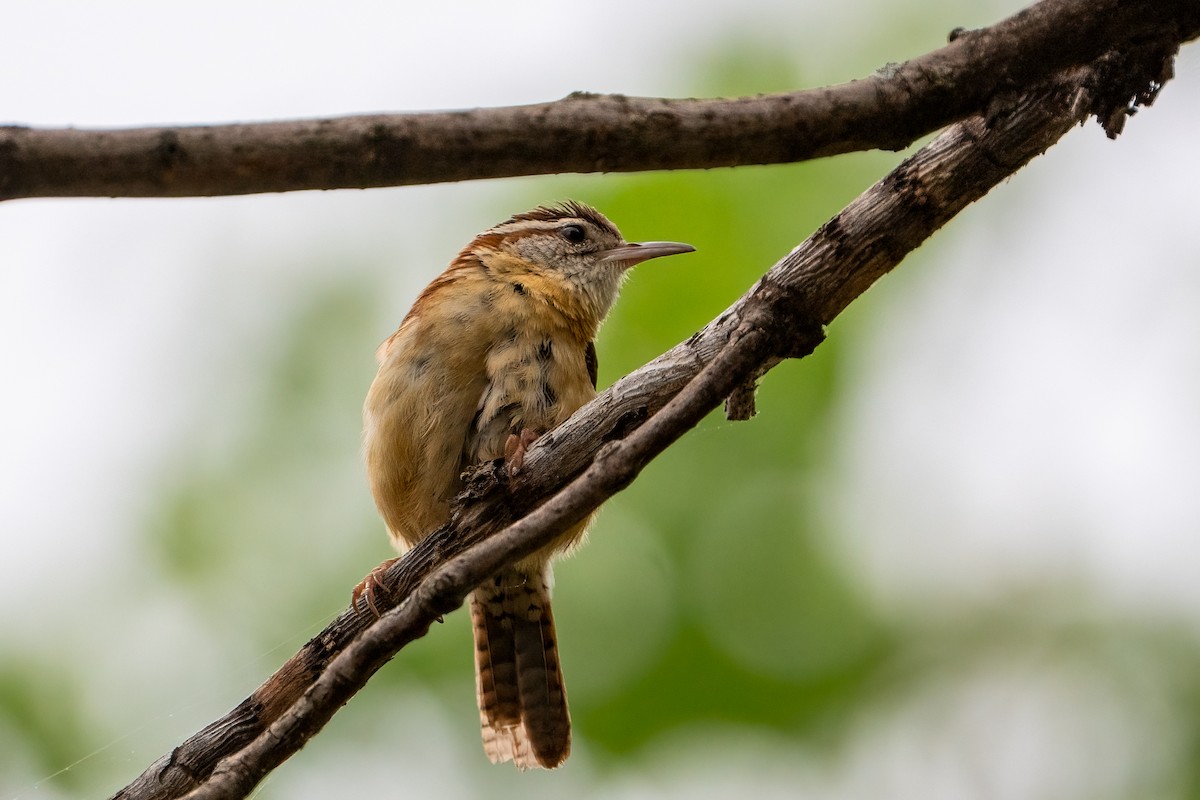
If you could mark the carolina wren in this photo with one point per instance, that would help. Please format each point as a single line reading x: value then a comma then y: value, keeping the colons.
x: 497, y: 350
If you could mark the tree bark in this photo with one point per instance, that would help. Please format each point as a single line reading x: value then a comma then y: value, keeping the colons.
x: 589, y: 133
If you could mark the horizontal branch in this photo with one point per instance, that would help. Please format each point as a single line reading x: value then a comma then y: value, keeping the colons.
x: 583, y: 132
x: 604, y: 446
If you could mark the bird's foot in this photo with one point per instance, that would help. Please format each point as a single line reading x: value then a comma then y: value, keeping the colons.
x: 514, y: 449
x: 371, y: 587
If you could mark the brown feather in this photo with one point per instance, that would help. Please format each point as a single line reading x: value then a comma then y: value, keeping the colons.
x: 496, y: 678
x: 571, y: 209
x: 522, y: 697
x: 497, y: 349
x: 592, y: 361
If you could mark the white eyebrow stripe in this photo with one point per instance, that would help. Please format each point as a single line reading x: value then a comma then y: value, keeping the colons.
x: 535, y: 225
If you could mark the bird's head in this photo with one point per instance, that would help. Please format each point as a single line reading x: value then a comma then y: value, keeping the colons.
x: 570, y: 255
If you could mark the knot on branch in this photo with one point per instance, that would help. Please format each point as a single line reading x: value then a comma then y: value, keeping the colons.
x: 792, y: 329
x: 480, y: 482
x: 742, y: 403
x: 1122, y: 80
x: 626, y: 423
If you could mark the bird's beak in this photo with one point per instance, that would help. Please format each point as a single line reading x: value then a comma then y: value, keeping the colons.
x: 630, y: 253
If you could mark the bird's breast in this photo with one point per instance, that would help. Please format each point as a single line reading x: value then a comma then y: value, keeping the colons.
x: 471, y: 365
x: 535, y: 380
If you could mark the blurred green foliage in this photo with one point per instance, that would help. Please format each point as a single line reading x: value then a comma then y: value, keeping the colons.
x: 707, y: 594
x: 40, y: 709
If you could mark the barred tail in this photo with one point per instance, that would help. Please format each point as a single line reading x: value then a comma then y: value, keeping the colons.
x: 522, y: 698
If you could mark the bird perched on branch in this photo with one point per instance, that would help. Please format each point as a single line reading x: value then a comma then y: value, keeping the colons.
x: 497, y: 350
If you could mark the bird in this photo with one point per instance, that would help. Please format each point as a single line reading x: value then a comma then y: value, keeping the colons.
x: 495, y: 351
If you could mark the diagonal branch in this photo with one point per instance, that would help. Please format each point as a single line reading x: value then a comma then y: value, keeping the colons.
x: 603, y: 447
x: 584, y: 132
x: 446, y: 587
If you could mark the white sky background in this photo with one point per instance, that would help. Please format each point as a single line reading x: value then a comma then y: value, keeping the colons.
x: 1026, y: 407
x: 1036, y: 390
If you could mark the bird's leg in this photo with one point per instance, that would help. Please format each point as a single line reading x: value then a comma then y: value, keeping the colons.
x: 515, y: 446
x: 371, y: 587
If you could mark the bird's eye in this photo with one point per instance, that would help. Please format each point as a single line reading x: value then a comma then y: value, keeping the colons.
x: 573, y: 233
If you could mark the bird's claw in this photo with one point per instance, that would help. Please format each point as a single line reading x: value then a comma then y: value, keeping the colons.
x: 371, y: 587
x: 514, y: 449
